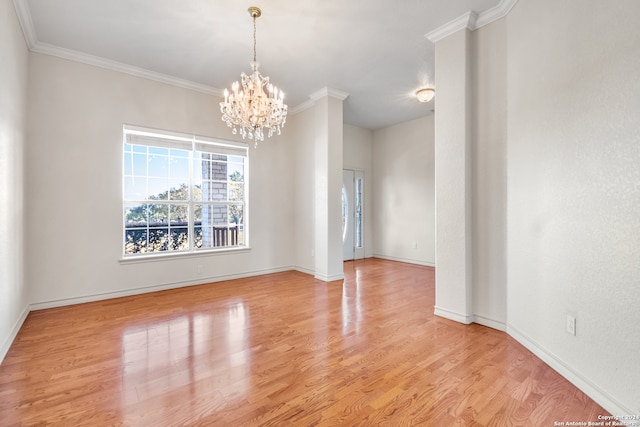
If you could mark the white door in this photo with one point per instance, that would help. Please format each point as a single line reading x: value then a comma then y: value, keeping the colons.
x: 348, y: 215
x: 352, y: 218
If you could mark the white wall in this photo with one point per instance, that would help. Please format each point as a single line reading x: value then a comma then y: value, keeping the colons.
x: 358, y: 156
x: 573, y: 191
x: 73, y: 188
x: 13, y: 87
x: 403, y: 192
x: 453, y: 178
x: 489, y: 174
x: 301, y: 140
x: 328, y: 148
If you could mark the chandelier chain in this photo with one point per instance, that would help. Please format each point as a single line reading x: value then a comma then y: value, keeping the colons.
x: 254, y: 40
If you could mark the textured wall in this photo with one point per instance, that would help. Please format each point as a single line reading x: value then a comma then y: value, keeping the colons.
x: 489, y: 174
x: 403, y: 192
x: 13, y: 87
x: 453, y: 156
x: 574, y: 188
x: 301, y: 140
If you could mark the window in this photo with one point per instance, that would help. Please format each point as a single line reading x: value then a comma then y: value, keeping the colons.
x: 358, y: 208
x: 182, y: 193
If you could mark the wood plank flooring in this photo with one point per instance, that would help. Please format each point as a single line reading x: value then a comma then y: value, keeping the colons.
x: 279, y: 350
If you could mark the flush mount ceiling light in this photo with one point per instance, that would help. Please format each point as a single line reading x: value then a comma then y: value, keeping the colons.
x: 425, y: 94
x: 248, y: 108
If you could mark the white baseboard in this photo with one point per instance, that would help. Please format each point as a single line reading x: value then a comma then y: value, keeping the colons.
x: 452, y: 315
x: 601, y: 397
x: 304, y: 270
x: 155, y: 288
x: 490, y: 323
x: 326, y: 278
x: 6, y: 345
x: 470, y: 318
x: 406, y: 260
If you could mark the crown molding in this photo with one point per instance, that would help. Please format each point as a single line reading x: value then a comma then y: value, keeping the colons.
x: 495, y: 13
x: 471, y: 21
x: 24, y: 18
x: 466, y: 21
x: 302, y: 106
x: 108, y: 64
x: 324, y: 92
x: 327, y: 91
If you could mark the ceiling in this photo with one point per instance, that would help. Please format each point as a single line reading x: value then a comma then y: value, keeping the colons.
x: 374, y: 50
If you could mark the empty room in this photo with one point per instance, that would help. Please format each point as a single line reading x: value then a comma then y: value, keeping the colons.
x: 290, y: 213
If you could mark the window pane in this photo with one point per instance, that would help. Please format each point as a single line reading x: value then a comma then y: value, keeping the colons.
x: 158, y: 215
x: 136, y: 224
x: 179, y: 153
x: 196, y: 193
x: 158, y: 150
x: 358, y: 212
x: 158, y: 239
x: 135, y: 240
x: 158, y: 165
x: 158, y: 189
x: 134, y: 214
x: 213, y: 191
x: 235, y: 169
x: 179, y: 168
x: 236, y: 191
x: 197, y: 237
x: 211, y: 214
x: 196, y: 190
x: 236, y: 214
x: 179, y: 190
x: 179, y: 215
x: 128, y: 163
x: 178, y: 239
x: 135, y: 188
x: 135, y: 164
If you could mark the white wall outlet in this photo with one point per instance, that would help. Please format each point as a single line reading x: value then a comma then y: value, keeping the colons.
x: 199, y: 269
x: 571, y: 324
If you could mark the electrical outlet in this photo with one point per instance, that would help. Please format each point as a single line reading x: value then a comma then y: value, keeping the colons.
x: 199, y: 269
x: 571, y: 325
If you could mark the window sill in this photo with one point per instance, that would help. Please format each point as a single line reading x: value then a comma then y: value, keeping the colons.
x: 135, y: 259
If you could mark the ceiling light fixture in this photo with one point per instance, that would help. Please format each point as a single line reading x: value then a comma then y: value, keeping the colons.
x: 249, y: 108
x: 425, y: 94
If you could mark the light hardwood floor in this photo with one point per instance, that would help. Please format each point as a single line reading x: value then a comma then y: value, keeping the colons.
x: 281, y: 349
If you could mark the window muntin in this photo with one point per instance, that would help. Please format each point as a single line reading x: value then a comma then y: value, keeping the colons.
x: 182, y: 193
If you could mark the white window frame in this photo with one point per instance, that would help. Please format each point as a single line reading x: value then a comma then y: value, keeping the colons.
x: 138, y: 135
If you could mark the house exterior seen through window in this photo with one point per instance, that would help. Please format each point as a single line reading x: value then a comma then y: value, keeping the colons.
x: 182, y: 193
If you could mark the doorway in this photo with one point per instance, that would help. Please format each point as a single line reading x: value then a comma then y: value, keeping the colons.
x: 352, y: 214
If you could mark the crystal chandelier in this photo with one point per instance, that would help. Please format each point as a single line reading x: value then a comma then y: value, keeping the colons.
x: 257, y: 104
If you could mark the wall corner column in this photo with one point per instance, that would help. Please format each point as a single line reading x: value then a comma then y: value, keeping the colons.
x: 453, y: 154
x: 328, y: 184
